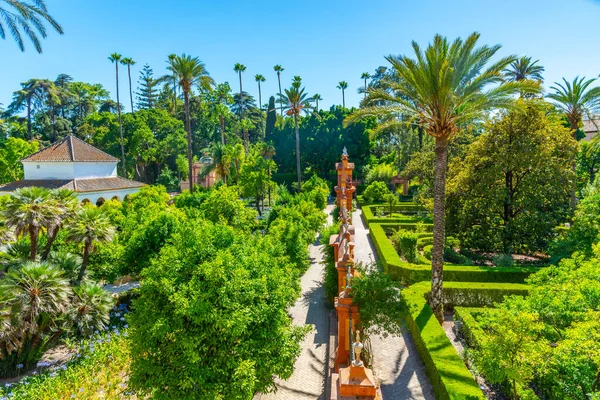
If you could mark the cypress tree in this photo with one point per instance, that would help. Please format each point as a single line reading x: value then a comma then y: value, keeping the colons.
x: 271, y: 119
x: 147, y: 88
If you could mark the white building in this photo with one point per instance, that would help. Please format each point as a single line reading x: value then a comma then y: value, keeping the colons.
x: 73, y: 164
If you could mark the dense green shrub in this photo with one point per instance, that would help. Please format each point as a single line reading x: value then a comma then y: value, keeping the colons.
x: 405, y: 243
x: 427, y: 251
x: 331, y: 274
x: 375, y: 192
x: 224, y: 206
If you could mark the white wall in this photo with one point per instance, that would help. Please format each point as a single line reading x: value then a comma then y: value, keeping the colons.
x: 106, y: 195
x: 55, y: 170
x: 95, y: 170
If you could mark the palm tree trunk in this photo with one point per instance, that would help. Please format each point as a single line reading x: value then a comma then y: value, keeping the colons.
x: 573, y: 194
x: 222, y: 124
x: 29, y: 118
x: 281, y: 104
x: 174, y: 94
x: 130, y: 91
x: 317, y: 105
x: 298, y: 152
x: 259, y: 98
x: 241, y: 98
x: 437, y: 255
x: 87, y: 248
x: 33, y: 238
x: 188, y: 128
x: 343, y: 99
x: 420, y: 130
x: 365, y: 87
x: 123, y: 166
x: 52, y: 233
x: 246, y: 140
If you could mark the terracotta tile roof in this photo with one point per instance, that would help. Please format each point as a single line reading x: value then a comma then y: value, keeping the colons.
x: 77, y: 185
x: 70, y: 149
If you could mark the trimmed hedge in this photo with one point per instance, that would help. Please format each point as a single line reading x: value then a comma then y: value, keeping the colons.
x: 369, y: 216
x: 408, y: 273
x: 470, y: 328
x: 447, y: 372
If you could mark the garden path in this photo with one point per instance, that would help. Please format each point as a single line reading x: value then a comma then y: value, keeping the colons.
x: 397, y: 364
x: 308, y: 379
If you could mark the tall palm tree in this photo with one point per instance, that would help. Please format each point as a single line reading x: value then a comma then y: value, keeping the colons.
x: 239, y: 68
x: 66, y: 202
x: 575, y: 100
x: 343, y: 85
x: 522, y: 68
x: 317, y: 97
x: 443, y: 88
x: 279, y: 69
x: 245, y: 126
x: 259, y: 78
x: 365, y: 76
x: 170, y: 62
x: 26, y: 18
x: 223, y: 98
x: 295, y: 101
x: 34, y: 94
x: 89, y: 226
x: 189, y: 71
x: 116, y: 58
x: 129, y: 62
x: 28, y: 211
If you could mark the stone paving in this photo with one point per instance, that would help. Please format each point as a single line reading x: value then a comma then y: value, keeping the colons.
x: 397, y: 364
x: 308, y: 379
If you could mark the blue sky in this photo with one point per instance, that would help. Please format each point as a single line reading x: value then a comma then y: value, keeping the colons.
x: 322, y: 41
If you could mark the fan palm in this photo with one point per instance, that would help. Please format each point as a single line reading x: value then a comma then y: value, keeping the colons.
x: 129, y: 62
x: 259, y: 78
x: 279, y: 69
x: 36, y: 295
x: 26, y: 18
x: 220, y: 161
x: 189, y: 71
x: 66, y: 202
x: 89, y: 226
x: 343, y: 85
x: 296, y: 101
x: 522, y: 68
x: 28, y: 211
x: 447, y: 86
x: 116, y: 58
x: 91, y: 308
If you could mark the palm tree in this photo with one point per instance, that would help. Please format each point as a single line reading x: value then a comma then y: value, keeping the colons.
x: 245, y: 126
x: 223, y: 98
x: 90, y: 225
x: 317, y: 97
x: 343, y: 85
x: 26, y: 18
x: 36, y: 295
x: 220, y: 161
x: 296, y: 101
x: 189, y: 71
x: 129, y: 62
x: 445, y: 87
x: 92, y: 305
x: 170, y: 61
x: 365, y: 76
x: 236, y: 154
x: 575, y: 100
x: 268, y: 152
x: 66, y: 202
x: 33, y: 94
x: 279, y: 69
x: 522, y: 68
x: 28, y: 211
x: 116, y: 58
x: 259, y: 78
x: 239, y: 68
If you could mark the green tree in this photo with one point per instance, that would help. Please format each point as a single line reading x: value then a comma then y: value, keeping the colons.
x: 33, y: 95
x: 89, y: 226
x: 364, y: 76
x: 147, y: 88
x: 445, y: 87
x: 28, y: 211
x: 271, y: 119
x: 575, y: 100
x: 279, y: 69
x: 255, y: 180
x: 514, y: 182
x: 221, y: 161
x: 190, y: 71
x: 12, y: 150
x: 343, y: 85
x: 239, y: 68
x: 317, y: 97
x: 522, y: 68
x: 224, y: 206
x: 129, y: 62
x: 223, y: 99
x: 296, y: 101
x: 116, y: 58
x: 26, y: 18
x: 259, y: 78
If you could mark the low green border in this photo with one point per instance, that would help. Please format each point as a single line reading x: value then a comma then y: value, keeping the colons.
x: 408, y: 273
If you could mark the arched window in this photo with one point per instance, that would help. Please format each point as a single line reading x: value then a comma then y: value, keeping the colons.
x: 100, y: 201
